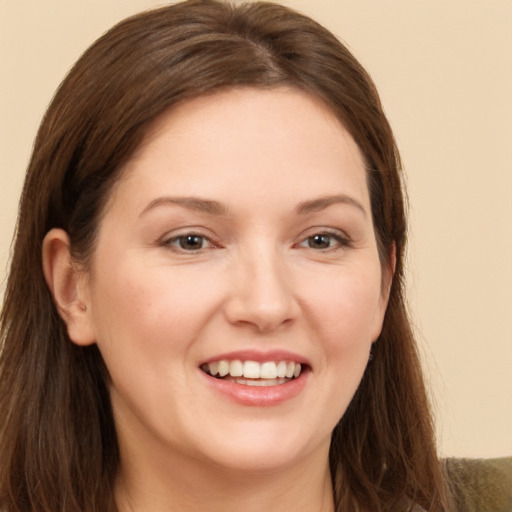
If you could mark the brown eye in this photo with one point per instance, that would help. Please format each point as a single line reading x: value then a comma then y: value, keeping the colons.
x: 320, y: 241
x: 191, y: 242
x: 325, y: 241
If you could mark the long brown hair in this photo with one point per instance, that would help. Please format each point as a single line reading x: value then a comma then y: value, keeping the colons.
x: 58, y: 446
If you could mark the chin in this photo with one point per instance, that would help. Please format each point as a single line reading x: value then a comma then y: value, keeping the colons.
x: 263, y: 449
x: 254, y: 463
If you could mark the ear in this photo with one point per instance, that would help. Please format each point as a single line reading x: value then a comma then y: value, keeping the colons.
x: 388, y: 273
x: 68, y: 287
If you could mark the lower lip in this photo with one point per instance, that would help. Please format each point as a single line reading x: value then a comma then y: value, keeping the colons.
x: 258, y: 396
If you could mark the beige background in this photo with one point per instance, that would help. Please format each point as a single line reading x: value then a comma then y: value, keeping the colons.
x: 444, y: 70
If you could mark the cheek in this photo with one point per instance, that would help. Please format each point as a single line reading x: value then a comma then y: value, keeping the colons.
x: 147, y: 322
x: 345, y: 326
x: 149, y: 311
x: 346, y: 309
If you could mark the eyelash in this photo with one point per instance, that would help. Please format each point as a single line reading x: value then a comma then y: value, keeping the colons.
x: 177, y: 242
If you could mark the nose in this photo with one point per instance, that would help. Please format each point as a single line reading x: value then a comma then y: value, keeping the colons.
x: 261, y: 294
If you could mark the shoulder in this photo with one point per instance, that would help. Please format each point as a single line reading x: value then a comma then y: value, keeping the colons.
x: 480, y: 485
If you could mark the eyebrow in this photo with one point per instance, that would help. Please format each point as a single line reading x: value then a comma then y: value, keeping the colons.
x: 190, y: 203
x: 324, y: 202
x: 215, y: 208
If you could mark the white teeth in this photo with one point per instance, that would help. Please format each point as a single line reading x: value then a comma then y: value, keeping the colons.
x: 223, y: 368
x: 281, y: 369
x: 214, y: 368
x: 236, y: 369
x: 269, y: 370
x: 251, y: 370
x: 261, y: 382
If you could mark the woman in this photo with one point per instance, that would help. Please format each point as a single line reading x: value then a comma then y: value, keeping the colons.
x: 218, y: 319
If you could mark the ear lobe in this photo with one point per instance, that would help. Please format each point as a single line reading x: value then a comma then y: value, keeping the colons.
x: 66, y: 284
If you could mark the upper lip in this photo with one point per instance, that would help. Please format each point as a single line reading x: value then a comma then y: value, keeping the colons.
x: 259, y: 356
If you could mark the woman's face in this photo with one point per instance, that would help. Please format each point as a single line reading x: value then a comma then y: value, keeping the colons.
x: 239, y: 240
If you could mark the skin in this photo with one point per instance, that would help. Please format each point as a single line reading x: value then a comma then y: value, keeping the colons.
x: 256, y: 279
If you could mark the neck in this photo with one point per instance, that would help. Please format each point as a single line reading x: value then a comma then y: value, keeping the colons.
x: 183, y: 484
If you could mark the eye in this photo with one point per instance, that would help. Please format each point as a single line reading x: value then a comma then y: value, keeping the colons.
x: 324, y: 241
x: 320, y: 241
x: 189, y: 242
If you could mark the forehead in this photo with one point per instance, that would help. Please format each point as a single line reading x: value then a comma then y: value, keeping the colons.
x: 262, y: 140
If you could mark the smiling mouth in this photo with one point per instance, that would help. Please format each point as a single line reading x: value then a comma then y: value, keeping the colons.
x: 252, y: 373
